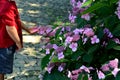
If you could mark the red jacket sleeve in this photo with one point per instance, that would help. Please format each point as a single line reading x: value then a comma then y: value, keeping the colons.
x: 9, y: 16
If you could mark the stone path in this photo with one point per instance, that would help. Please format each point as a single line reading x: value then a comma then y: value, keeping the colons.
x: 42, y: 12
x: 35, y: 12
x: 27, y: 61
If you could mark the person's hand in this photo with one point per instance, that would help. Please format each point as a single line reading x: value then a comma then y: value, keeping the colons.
x: 19, y: 46
x: 33, y: 30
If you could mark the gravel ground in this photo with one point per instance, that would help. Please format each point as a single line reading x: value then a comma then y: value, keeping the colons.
x: 43, y: 12
x: 35, y: 12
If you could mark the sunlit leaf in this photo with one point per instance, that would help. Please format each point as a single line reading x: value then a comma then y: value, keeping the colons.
x: 94, y: 7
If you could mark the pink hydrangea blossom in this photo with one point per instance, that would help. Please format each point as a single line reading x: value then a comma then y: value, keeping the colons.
x: 49, y: 46
x: 76, y: 37
x: 50, y: 67
x: 117, y: 41
x: 74, y: 77
x: 52, y: 33
x: 73, y: 46
x: 68, y: 34
x: 81, y: 30
x: 68, y: 40
x: 94, y: 39
x: 42, y: 30
x: 68, y: 28
x: 84, y: 40
x: 48, y: 30
x: 88, y: 32
x: 72, y: 18
x: 73, y: 2
x: 113, y: 63
x: 75, y: 10
x: 101, y: 75
x: 59, y: 49
x: 79, y: 4
x: 77, y: 71
x: 76, y: 31
x: 86, y: 17
x: 118, y: 10
x: 115, y: 71
x: 105, y: 67
x: 55, y: 46
x: 61, y: 67
x: 85, y: 69
x: 60, y: 55
x: 47, y: 51
x: 108, y: 33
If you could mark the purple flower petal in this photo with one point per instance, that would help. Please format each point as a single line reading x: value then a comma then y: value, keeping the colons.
x: 94, y: 39
x: 115, y: 71
x: 105, y: 67
x: 60, y: 49
x: 113, y: 63
x: 101, y: 75
x: 68, y: 40
x: 47, y: 51
x: 60, y: 55
x: 73, y: 46
x: 76, y: 37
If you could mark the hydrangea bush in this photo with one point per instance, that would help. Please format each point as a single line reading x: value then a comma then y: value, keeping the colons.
x: 89, y: 50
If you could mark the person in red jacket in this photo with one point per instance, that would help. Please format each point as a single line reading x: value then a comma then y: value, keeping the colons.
x: 10, y: 35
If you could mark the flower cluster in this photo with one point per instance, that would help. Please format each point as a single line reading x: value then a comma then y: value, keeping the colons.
x: 86, y: 50
x: 77, y: 9
x: 58, y: 50
x: 71, y: 39
x: 118, y: 10
x: 109, y: 36
x: 73, y: 75
x: 113, y: 65
x: 84, y: 34
x: 52, y: 65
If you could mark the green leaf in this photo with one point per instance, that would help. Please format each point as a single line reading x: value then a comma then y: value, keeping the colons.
x: 57, y: 32
x: 68, y: 52
x: 83, y: 77
x: 80, y: 77
x: 87, y: 58
x: 45, y: 60
x: 113, y: 1
x: 87, y: 3
x: 110, y: 21
x: 110, y: 77
x: 55, y: 75
x: 118, y: 76
x: 100, y: 33
x: 80, y: 22
x: 92, y: 49
x: 76, y: 55
x: 55, y: 59
x: 116, y: 47
x: 111, y: 44
x: 116, y: 31
x: 94, y: 7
